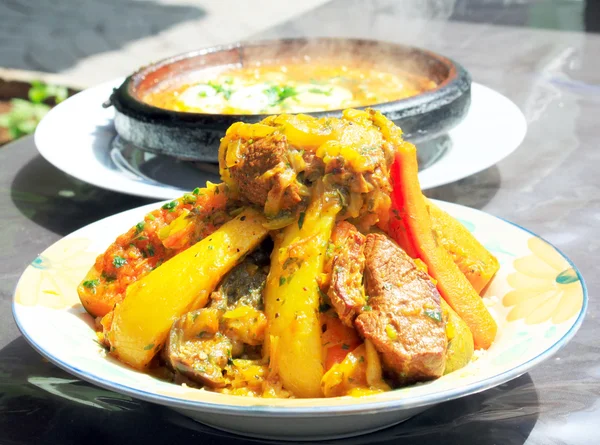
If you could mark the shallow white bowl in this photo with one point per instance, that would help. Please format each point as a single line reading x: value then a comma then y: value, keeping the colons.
x: 538, y: 299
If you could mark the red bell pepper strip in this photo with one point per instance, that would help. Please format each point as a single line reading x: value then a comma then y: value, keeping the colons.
x: 410, y: 226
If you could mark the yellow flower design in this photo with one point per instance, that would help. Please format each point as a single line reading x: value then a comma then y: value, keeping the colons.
x: 545, y: 286
x: 52, y: 278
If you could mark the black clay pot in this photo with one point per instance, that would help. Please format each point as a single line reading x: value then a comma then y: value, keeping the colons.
x: 196, y: 136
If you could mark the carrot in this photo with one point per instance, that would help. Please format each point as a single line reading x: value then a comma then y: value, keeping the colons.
x: 338, y: 340
x: 474, y: 260
x: 410, y: 226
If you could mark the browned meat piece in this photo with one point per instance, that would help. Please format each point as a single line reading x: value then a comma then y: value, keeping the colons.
x: 405, y: 321
x: 197, y: 351
x: 202, y: 342
x: 346, y: 291
x: 264, y: 172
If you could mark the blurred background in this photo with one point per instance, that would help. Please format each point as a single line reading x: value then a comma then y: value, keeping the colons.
x: 91, y: 41
x: 75, y: 44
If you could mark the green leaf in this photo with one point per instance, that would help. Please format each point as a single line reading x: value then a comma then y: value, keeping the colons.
x: 119, y: 261
x: 91, y: 284
x: 433, y: 314
x: 277, y: 94
x: 320, y: 91
x: 149, y: 347
x: 567, y: 276
x: 170, y: 206
x: 301, y: 219
x: 40, y: 91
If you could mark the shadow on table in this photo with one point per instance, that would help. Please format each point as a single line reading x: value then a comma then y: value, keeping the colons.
x: 61, y: 203
x: 474, y: 191
x: 54, y: 36
x: 42, y: 404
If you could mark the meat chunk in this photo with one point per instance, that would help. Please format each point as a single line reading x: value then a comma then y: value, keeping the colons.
x: 405, y: 321
x: 264, y: 173
x: 346, y: 291
x: 201, y: 343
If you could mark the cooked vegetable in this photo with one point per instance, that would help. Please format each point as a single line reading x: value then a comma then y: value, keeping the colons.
x: 337, y: 340
x: 292, y: 297
x: 162, y: 234
x: 460, y: 340
x: 473, y: 260
x: 328, y: 304
x: 358, y: 374
x: 142, y: 321
x: 411, y: 227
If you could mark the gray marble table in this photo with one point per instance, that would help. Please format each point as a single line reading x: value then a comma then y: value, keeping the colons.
x: 549, y: 185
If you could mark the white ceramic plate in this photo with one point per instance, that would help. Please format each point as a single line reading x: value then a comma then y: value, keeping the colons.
x: 538, y: 299
x: 76, y: 138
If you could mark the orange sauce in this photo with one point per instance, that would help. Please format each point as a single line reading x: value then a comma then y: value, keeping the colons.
x: 290, y: 88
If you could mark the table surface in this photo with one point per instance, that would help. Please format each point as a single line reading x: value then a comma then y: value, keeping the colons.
x: 549, y: 185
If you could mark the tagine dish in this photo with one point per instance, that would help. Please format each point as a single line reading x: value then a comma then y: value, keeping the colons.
x: 316, y: 268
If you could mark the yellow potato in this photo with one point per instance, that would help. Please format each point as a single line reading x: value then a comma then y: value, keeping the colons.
x: 460, y: 340
x: 292, y: 298
x: 142, y: 321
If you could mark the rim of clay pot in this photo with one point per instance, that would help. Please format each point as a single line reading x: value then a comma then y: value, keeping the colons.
x: 451, y: 84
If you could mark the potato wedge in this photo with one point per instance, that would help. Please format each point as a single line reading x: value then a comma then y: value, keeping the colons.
x: 473, y: 260
x: 292, y: 298
x: 162, y: 234
x: 142, y: 321
x: 460, y: 340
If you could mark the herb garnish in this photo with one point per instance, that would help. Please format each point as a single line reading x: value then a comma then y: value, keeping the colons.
x: 277, y: 94
x: 170, y: 206
x: 91, y: 284
x: 435, y: 315
x: 320, y: 91
x: 301, y: 219
x: 119, y: 261
x: 226, y: 92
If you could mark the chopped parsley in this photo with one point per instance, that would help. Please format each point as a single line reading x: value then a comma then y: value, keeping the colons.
x: 170, y: 206
x: 148, y: 347
x: 433, y: 314
x: 278, y: 94
x: 108, y: 278
x: 119, y: 261
x: 281, y: 281
x: 320, y: 91
x: 189, y: 198
x: 301, y: 219
x: 139, y: 227
x: 220, y: 89
x: 345, y: 347
x: 196, y: 191
x: 91, y: 284
x: 150, y: 250
x: 367, y: 308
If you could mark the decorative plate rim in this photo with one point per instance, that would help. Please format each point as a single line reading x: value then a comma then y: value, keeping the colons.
x: 402, y: 403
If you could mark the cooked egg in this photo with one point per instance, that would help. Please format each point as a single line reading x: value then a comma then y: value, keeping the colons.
x: 292, y: 88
